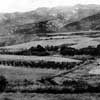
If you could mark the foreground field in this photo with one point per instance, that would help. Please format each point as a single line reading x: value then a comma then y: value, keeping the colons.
x: 34, y: 96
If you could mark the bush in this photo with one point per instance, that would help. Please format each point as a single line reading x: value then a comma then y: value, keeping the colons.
x: 3, y: 83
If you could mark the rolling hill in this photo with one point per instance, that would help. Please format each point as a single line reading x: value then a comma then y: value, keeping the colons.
x: 16, y: 28
x: 88, y: 23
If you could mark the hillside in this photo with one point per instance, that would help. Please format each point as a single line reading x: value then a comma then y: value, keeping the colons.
x: 16, y: 28
x: 88, y: 23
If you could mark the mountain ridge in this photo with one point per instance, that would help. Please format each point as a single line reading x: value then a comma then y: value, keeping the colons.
x: 24, y: 27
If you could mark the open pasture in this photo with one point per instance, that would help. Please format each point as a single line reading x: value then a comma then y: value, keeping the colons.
x: 20, y: 73
x: 36, y: 58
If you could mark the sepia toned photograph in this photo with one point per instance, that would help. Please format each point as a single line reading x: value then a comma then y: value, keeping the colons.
x: 49, y: 49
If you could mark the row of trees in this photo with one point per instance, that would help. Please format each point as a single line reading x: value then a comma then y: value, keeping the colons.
x: 90, y: 50
x: 63, y: 50
x: 40, y: 64
x: 38, y: 51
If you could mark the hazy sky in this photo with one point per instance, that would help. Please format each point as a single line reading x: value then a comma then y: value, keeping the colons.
x: 26, y: 5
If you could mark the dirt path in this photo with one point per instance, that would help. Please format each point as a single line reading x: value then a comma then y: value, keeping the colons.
x: 71, y: 71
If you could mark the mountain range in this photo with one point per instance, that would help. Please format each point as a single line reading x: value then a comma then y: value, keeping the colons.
x: 18, y: 27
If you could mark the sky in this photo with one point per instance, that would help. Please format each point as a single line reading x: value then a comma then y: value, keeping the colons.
x: 27, y: 5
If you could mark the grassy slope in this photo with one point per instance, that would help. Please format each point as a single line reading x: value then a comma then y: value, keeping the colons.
x: 79, y: 39
x: 36, y: 58
x: 20, y: 74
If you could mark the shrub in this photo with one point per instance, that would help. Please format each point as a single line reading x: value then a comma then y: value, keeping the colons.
x: 3, y: 83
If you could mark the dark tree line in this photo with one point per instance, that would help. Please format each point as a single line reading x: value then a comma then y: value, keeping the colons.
x: 90, y: 50
x: 63, y: 50
x: 52, y: 48
x: 40, y: 64
x: 38, y: 51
